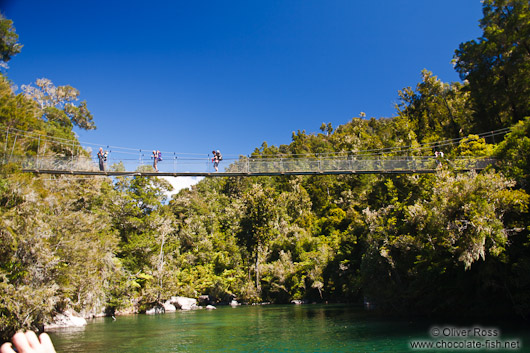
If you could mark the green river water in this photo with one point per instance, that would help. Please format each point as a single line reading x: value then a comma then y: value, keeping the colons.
x: 289, y: 328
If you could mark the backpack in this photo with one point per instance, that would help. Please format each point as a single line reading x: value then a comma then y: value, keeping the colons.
x: 159, y: 156
x: 219, y: 156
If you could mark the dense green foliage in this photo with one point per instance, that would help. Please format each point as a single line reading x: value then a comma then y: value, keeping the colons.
x: 497, y: 65
x: 9, y: 45
x: 432, y: 244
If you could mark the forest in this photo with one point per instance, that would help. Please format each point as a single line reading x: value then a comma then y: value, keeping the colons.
x: 425, y: 244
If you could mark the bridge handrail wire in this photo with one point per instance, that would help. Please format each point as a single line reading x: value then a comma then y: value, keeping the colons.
x: 246, y: 165
x: 117, y: 149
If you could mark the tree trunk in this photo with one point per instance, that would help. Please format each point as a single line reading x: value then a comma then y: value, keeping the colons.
x: 256, y: 268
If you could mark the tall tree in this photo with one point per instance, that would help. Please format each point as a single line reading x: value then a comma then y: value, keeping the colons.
x: 16, y: 111
x: 58, y: 104
x: 258, y: 224
x: 9, y: 45
x: 436, y: 110
x: 497, y: 65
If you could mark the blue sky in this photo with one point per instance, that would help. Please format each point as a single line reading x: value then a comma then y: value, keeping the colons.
x: 190, y: 76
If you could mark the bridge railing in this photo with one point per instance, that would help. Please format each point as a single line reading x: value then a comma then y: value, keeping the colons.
x: 245, y: 165
x: 53, y: 163
x: 381, y: 164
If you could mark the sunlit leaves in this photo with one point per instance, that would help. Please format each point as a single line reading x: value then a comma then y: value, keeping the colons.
x: 497, y: 65
x: 64, y: 101
x: 9, y: 45
x: 513, y: 153
x: 436, y: 110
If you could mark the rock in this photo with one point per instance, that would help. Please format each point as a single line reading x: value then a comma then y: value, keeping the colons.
x: 210, y: 307
x: 168, y: 307
x: 159, y: 309
x: 184, y: 303
x: 66, y: 319
x: 298, y: 301
x: 234, y: 303
x: 100, y: 314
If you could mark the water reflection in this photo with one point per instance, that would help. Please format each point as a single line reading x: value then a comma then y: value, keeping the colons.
x: 294, y: 328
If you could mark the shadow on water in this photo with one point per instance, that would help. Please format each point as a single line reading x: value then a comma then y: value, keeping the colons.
x: 289, y: 328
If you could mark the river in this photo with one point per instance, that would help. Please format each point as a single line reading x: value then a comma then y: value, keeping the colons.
x: 288, y: 328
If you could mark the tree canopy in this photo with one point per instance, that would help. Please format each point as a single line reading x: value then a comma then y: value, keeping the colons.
x: 497, y: 65
x: 9, y: 45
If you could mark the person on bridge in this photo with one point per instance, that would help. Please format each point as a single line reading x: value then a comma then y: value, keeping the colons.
x: 156, y: 158
x: 102, y: 156
x: 439, y: 155
x: 217, y: 157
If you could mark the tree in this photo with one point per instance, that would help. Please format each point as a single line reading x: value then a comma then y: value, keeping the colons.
x: 16, y: 111
x: 473, y: 145
x: 328, y: 129
x: 144, y: 230
x: 497, y: 65
x: 56, y: 249
x: 448, y: 242
x: 258, y: 225
x: 57, y: 104
x: 436, y: 110
x: 9, y: 45
x: 513, y: 154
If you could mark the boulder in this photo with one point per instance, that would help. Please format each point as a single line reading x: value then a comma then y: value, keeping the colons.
x: 168, y: 307
x: 298, y: 301
x: 210, y: 307
x: 159, y: 309
x: 66, y: 319
x: 184, y: 303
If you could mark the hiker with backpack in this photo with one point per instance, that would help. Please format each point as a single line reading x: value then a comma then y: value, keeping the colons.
x: 102, y: 156
x: 439, y: 155
x: 217, y: 157
x: 157, y: 157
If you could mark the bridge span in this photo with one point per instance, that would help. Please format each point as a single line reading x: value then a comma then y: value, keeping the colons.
x: 249, y: 166
x: 34, y: 152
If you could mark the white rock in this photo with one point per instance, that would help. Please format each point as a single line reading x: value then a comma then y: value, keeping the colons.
x: 298, y: 301
x: 184, y: 303
x: 155, y: 310
x: 169, y: 307
x: 210, y: 307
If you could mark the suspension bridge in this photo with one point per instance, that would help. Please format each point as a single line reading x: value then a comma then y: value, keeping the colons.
x: 74, y: 158
x: 248, y: 166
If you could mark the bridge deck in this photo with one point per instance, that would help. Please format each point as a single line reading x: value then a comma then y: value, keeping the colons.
x: 70, y: 157
x: 246, y: 166
x: 236, y: 174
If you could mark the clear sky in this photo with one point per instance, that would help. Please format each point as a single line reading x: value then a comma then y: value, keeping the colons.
x: 191, y: 76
